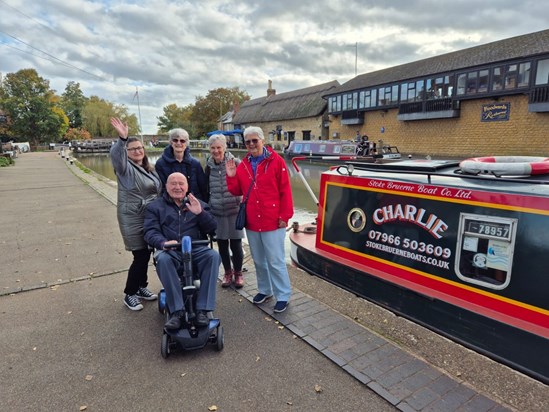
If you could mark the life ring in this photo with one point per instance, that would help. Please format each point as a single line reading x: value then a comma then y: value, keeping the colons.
x: 506, y: 165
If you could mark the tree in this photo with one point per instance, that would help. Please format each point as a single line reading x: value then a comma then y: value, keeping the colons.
x: 97, y: 115
x: 208, y: 110
x: 175, y: 117
x: 77, y: 134
x: 73, y: 102
x: 32, y: 108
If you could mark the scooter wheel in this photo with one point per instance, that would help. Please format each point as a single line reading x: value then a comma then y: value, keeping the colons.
x: 165, y: 348
x: 220, y: 338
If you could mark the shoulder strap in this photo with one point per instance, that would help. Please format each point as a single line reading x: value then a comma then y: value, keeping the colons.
x: 249, y: 190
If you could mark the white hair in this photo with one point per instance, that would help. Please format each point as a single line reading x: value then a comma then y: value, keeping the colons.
x: 255, y: 131
x: 180, y: 133
x: 218, y: 138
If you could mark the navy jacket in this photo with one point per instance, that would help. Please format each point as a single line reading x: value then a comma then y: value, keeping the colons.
x: 164, y: 221
x: 190, y: 167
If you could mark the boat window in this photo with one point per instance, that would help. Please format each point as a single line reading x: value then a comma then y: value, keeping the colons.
x: 484, y: 253
x: 322, y: 148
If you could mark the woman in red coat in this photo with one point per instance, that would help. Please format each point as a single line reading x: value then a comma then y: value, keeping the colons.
x: 264, y: 175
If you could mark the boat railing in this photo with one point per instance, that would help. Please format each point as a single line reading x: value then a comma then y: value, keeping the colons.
x: 431, y: 171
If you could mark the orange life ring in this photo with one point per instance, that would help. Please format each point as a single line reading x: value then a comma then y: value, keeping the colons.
x: 507, y: 165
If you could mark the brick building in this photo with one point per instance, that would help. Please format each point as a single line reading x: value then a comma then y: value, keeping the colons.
x: 491, y: 99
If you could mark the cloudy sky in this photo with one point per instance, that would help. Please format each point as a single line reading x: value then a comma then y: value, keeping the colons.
x: 173, y: 51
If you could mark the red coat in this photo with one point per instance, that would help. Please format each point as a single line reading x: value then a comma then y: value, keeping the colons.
x: 271, y: 196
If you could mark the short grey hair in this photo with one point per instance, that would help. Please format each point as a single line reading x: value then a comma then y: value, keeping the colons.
x: 218, y: 138
x: 178, y: 133
x: 255, y: 131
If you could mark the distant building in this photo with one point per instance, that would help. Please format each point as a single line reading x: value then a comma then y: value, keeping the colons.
x: 491, y: 99
x: 296, y: 115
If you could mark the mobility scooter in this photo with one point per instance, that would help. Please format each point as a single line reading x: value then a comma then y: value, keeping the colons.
x: 189, y: 336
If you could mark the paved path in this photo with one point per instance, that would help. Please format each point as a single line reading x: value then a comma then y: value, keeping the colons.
x: 75, y: 341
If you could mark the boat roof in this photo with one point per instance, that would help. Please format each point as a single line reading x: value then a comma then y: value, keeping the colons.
x: 443, y: 172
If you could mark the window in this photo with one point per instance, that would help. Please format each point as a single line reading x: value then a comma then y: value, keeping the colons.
x: 484, y: 252
x: 347, y: 102
x: 439, y: 87
x: 461, y: 81
x: 483, y: 81
x: 497, y: 78
x: 511, y: 77
x: 524, y: 74
x: 384, y: 94
x: 367, y: 99
x: 472, y: 81
x: 412, y: 91
x: 542, y: 72
x: 337, y: 104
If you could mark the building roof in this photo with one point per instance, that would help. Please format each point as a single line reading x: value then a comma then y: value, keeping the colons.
x: 513, y: 48
x: 296, y: 104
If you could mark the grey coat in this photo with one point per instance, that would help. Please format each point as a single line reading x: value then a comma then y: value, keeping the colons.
x: 222, y: 202
x: 136, y: 189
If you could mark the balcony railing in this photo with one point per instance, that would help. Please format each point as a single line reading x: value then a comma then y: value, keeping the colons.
x: 539, y: 95
x: 434, y: 105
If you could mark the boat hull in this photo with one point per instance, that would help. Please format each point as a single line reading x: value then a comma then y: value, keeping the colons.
x: 465, y: 258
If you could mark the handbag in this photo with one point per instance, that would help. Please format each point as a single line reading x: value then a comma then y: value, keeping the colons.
x: 240, y: 221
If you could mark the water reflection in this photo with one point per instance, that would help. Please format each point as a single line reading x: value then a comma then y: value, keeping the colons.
x: 304, y: 207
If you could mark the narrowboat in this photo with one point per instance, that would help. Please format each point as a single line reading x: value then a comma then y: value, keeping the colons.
x: 328, y: 148
x: 459, y: 247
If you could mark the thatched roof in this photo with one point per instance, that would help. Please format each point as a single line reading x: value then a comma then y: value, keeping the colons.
x: 499, y: 51
x: 296, y: 104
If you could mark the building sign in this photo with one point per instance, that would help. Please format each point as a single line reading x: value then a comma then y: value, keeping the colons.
x: 495, y: 112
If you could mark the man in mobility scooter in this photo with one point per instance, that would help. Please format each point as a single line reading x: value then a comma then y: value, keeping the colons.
x: 167, y: 219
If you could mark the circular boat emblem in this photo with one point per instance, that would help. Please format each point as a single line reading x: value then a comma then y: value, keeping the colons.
x: 356, y: 219
x: 479, y: 260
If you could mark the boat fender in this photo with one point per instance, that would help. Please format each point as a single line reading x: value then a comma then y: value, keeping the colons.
x: 506, y: 165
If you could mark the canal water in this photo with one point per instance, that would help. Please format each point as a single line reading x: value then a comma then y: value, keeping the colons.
x: 304, y: 206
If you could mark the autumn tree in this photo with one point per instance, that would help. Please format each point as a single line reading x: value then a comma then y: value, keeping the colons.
x: 32, y: 108
x: 174, y: 117
x: 209, y: 109
x: 77, y: 134
x: 97, y: 115
x: 73, y: 102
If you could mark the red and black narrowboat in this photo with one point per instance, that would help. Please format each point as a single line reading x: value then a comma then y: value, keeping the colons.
x: 461, y: 250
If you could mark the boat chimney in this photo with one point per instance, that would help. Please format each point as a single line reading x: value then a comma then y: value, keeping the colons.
x: 270, y: 90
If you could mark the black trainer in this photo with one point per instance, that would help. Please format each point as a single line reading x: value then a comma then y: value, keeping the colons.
x: 175, y: 321
x: 201, y: 318
x: 146, y: 294
x: 132, y: 302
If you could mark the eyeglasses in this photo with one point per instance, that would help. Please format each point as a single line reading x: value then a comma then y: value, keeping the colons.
x: 182, y: 141
x: 249, y: 142
x: 135, y: 149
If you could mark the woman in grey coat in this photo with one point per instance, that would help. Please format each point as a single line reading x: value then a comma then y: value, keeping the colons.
x: 224, y: 206
x: 138, y: 185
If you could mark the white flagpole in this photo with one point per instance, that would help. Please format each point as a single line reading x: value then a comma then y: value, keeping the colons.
x: 139, y: 112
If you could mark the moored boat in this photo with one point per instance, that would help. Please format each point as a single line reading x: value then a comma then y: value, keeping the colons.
x: 323, y: 148
x: 463, y: 254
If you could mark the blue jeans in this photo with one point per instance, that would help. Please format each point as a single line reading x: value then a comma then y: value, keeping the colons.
x: 268, y: 253
x: 206, y: 263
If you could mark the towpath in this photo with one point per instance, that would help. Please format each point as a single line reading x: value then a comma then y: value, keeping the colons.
x: 69, y: 343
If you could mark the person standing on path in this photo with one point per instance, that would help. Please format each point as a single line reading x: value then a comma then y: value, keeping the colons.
x: 138, y: 185
x: 177, y: 158
x: 264, y: 175
x: 224, y: 206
